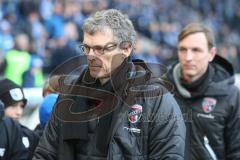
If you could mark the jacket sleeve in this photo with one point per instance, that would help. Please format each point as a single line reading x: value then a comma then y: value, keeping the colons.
x: 33, y: 139
x: 17, y: 150
x: 167, y: 130
x: 48, y: 143
x: 232, y: 134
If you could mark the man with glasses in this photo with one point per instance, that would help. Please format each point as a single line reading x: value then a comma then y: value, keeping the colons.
x: 115, y: 109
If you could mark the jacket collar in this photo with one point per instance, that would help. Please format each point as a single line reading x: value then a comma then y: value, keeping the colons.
x: 177, y: 80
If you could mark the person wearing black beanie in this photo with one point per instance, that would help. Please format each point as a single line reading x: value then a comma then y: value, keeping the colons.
x: 14, y: 101
x: 13, y: 98
x: 11, y: 145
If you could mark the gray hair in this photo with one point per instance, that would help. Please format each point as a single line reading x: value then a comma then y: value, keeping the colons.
x: 120, y: 24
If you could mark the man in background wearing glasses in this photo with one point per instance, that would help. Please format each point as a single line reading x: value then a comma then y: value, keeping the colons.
x: 115, y: 109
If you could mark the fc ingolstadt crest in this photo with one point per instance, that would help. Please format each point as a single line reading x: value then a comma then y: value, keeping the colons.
x: 208, y: 104
x: 135, y: 113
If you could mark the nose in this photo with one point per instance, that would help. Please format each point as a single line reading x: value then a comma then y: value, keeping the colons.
x: 18, y: 111
x: 91, y: 55
x: 91, y: 52
x: 189, y: 55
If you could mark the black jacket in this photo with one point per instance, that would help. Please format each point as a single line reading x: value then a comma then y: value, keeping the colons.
x: 39, y: 130
x: 11, y: 146
x: 145, y: 122
x: 212, y: 112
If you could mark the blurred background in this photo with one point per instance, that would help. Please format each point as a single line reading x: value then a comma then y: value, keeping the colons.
x: 38, y: 35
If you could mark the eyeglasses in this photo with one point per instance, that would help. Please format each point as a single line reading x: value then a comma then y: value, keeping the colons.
x: 99, y: 50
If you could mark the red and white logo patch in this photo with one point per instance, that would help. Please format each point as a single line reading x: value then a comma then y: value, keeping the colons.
x: 208, y: 104
x: 135, y: 113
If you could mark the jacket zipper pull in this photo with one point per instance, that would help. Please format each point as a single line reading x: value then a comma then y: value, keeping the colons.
x: 209, y: 148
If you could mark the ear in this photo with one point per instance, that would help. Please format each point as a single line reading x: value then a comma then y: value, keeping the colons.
x: 212, y: 53
x: 126, y: 47
x: 127, y: 51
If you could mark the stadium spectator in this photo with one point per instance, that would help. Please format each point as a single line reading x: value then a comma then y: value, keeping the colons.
x: 14, y: 101
x: 11, y: 145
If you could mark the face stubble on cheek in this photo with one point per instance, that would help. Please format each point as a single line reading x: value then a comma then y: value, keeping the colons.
x: 102, y: 68
x: 95, y: 71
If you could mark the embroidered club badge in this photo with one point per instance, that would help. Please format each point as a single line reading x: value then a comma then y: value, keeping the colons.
x: 135, y: 113
x: 208, y: 104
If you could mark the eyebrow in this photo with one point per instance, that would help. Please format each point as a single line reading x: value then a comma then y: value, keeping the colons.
x: 191, y: 48
x: 109, y: 42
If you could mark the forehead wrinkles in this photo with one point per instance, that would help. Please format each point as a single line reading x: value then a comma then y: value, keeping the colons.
x: 100, y: 37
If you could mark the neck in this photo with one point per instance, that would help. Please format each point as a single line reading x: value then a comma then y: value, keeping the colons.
x: 191, y: 79
x: 104, y: 80
x: 197, y: 86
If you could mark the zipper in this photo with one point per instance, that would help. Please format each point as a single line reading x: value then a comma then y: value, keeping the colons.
x: 209, y: 148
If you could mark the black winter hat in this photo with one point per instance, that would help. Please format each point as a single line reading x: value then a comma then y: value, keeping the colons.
x: 11, y: 93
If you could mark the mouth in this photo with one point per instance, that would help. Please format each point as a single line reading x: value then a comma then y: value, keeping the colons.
x: 15, y: 119
x: 94, y: 66
x: 188, y: 66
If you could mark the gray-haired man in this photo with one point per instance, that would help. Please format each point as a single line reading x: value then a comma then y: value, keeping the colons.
x: 119, y: 110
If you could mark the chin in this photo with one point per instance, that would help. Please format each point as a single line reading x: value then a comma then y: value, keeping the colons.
x: 189, y: 74
x: 95, y: 74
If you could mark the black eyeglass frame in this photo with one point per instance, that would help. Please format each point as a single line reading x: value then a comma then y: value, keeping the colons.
x: 100, y: 50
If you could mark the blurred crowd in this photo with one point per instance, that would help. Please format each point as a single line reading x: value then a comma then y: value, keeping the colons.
x: 46, y: 33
